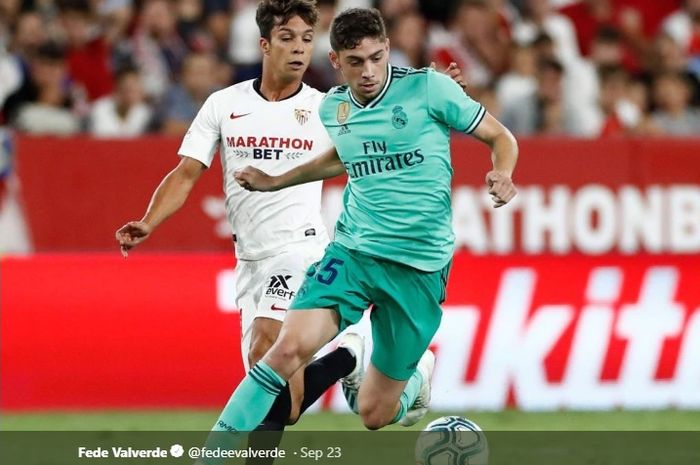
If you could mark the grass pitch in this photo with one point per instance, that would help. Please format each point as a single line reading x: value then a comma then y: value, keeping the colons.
x: 509, y: 420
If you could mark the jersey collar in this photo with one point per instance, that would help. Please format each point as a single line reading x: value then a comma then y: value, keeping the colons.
x: 372, y: 103
x: 258, y: 82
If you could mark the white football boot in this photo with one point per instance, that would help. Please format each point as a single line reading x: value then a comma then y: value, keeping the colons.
x: 351, y: 383
x: 420, y: 405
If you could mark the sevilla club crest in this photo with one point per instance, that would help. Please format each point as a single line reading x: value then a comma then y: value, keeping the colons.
x: 302, y: 116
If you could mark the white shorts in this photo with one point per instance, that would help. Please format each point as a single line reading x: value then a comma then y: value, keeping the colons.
x: 266, y: 287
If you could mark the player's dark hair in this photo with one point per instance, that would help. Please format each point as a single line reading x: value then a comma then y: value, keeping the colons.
x: 271, y: 13
x: 353, y: 25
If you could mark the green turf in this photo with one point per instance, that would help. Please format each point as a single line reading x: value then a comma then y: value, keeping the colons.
x: 186, y: 420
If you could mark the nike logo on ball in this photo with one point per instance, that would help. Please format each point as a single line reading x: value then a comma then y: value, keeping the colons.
x: 234, y: 116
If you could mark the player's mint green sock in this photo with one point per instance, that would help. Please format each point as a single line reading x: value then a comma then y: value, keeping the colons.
x: 247, y: 407
x: 409, y: 394
x: 251, y: 400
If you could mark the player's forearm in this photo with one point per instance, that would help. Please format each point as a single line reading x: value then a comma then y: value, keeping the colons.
x: 504, y: 153
x: 325, y: 166
x: 504, y: 147
x: 170, y: 195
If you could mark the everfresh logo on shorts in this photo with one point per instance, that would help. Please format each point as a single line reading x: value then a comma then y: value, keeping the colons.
x: 279, y: 280
x: 279, y: 286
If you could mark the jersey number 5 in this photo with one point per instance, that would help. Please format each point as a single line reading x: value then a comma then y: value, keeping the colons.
x: 329, y: 272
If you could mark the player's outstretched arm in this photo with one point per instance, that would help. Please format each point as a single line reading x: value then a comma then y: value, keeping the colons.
x: 167, y: 199
x: 327, y: 165
x: 504, y: 155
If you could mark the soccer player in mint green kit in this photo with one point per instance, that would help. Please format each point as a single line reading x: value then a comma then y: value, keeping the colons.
x: 394, y: 242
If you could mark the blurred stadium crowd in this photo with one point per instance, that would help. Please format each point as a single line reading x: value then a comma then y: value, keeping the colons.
x: 122, y: 68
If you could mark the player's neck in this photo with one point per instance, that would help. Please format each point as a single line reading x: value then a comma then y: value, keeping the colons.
x: 274, y: 90
x: 359, y: 98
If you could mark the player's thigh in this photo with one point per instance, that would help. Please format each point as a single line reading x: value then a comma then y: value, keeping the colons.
x: 405, y: 317
x: 339, y: 281
x: 331, y: 298
x: 303, y: 334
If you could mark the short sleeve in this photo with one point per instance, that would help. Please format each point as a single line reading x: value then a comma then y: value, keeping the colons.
x: 324, y: 108
x: 448, y: 103
x: 203, y: 136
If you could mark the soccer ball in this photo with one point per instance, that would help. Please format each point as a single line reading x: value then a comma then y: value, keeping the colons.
x: 452, y: 441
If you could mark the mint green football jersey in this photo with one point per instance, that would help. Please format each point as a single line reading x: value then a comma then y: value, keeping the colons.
x: 396, y: 150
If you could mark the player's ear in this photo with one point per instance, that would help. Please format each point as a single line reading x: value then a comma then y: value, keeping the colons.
x: 264, y: 46
x: 335, y: 60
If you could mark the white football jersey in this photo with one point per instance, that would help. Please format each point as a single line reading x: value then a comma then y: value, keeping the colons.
x: 273, y: 137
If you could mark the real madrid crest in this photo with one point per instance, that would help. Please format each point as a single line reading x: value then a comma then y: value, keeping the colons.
x: 343, y: 112
x: 302, y: 116
x: 399, y: 118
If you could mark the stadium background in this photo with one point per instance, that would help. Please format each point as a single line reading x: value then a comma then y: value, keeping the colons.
x: 576, y: 307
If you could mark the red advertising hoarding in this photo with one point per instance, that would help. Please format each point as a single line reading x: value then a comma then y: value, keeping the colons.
x: 98, y: 331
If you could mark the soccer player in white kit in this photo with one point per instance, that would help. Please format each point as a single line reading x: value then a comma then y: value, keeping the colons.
x: 271, y: 123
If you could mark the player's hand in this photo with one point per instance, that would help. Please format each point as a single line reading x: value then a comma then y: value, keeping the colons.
x: 132, y: 234
x: 253, y: 179
x: 455, y: 73
x: 501, y: 188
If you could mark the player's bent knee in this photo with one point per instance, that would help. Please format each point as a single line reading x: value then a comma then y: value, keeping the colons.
x: 286, y: 355
x: 286, y: 351
x: 375, y: 415
x: 374, y: 420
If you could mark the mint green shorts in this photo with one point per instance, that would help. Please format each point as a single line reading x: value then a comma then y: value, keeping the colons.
x: 406, y: 310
